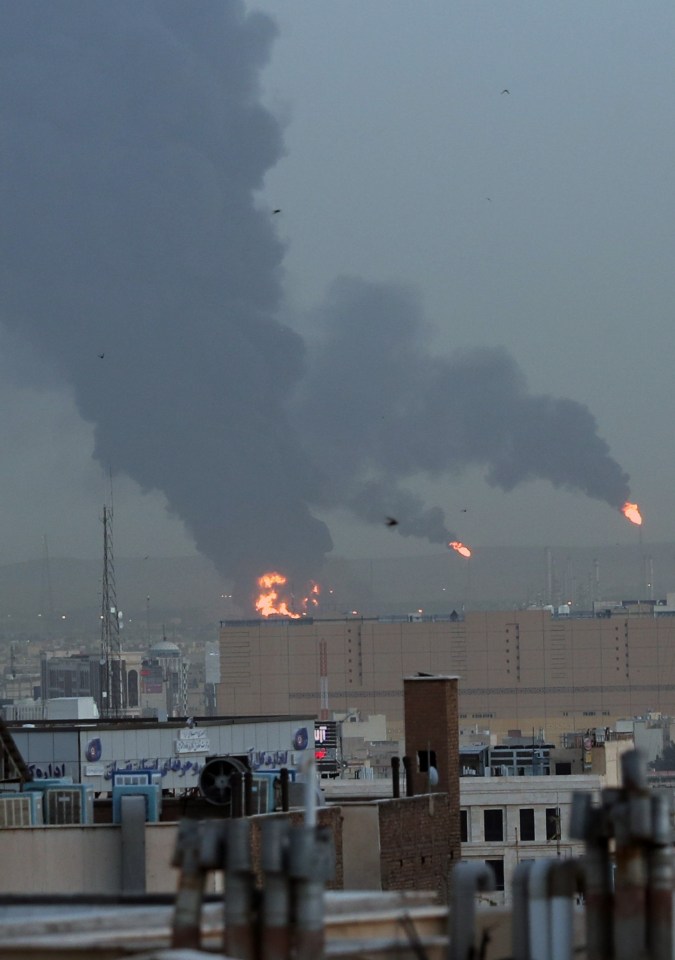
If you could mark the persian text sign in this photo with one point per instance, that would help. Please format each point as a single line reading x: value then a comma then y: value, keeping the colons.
x: 200, y: 744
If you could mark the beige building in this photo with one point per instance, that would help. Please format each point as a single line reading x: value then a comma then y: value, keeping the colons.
x: 525, y: 670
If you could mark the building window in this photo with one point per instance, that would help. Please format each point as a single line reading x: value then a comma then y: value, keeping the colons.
x: 464, y: 826
x: 527, y: 824
x: 563, y: 769
x: 498, y: 870
x: 493, y: 823
x: 553, y: 823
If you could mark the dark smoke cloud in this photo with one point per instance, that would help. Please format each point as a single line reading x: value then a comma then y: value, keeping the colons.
x: 133, y: 144
x: 379, y: 407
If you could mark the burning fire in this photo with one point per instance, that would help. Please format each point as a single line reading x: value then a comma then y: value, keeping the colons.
x: 274, y: 601
x: 461, y: 548
x: 631, y: 511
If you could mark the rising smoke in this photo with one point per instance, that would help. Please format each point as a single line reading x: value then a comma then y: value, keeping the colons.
x: 407, y: 411
x: 134, y: 144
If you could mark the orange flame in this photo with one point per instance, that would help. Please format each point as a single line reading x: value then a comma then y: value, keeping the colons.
x: 632, y: 513
x: 271, y: 602
x: 461, y: 548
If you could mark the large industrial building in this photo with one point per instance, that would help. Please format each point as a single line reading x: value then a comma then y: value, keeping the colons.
x: 529, y: 670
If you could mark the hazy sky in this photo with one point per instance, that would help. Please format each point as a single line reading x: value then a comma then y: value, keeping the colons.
x: 424, y: 211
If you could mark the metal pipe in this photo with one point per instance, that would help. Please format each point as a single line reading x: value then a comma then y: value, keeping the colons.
x: 520, y: 920
x: 660, y: 881
x: 276, y: 901
x: 598, y: 900
x: 540, y: 912
x: 239, y: 892
x: 592, y: 824
x: 284, y: 777
x: 186, y: 930
x: 634, y: 771
x: 395, y: 777
x: 630, y: 892
x: 311, y: 863
x: 248, y: 793
x: 466, y: 880
x: 199, y: 848
x: 407, y: 766
x: 237, y: 807
x: 562, y: 885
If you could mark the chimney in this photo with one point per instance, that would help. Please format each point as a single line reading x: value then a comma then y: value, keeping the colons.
x: 432, y: 733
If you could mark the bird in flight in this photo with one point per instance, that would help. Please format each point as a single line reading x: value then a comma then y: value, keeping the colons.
x: 101, y: 356
x: 278, y: 210
x: 392, y: 522
x: 506, y: 91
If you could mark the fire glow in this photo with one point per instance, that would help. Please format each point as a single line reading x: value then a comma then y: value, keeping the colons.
x: 461, y: 548
x: 632, y: 513
x: 275, y: 601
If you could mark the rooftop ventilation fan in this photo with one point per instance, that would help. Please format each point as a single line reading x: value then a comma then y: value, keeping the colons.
x: 217, y: 779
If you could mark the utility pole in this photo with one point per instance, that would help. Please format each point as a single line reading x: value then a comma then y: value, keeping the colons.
x: 112, y: 700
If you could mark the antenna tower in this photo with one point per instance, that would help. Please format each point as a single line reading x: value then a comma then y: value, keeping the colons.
x: 111, y: 648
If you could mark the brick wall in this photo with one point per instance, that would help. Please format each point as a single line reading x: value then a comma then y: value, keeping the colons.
x: 419, y: 842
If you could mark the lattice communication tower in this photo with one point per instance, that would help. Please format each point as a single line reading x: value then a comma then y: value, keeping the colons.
x: 111, y: 622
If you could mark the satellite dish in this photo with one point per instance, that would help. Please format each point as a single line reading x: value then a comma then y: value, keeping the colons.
x: 433, y: 777
x: 217, y: 779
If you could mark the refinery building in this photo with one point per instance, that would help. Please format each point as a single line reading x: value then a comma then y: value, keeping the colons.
x: 535, y: 671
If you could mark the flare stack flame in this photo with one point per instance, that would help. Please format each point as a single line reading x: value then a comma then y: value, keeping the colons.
x: 632, y: 513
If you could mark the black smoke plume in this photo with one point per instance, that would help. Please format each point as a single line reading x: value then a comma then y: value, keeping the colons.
x: 136, y: 259
x: 133, y: 142
x: 379, y: 407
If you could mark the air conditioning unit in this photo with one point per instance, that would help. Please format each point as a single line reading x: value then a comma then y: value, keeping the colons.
x: 46, y: 783
x: 69, y: 805
x: 136, y: 778
x: 21, y: 810
x: 151, y: 792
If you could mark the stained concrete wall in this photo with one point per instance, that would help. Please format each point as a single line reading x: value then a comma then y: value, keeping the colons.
x: 361, y: 851
x: 81, y: 859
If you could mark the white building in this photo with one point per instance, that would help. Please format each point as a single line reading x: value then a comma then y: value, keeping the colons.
x: 505, y: 820
x: 90, y: 752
